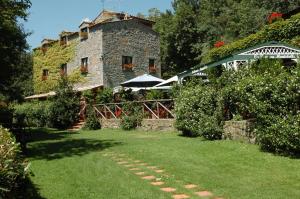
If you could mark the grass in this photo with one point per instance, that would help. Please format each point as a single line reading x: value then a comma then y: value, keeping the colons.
x: 73, y: 165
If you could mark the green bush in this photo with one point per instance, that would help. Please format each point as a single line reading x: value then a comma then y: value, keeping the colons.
x: 155, y: 95
x: 6, y: 114
x: 198, y: 111
x: 105, y: 96
x: 134, y: 118
x: 92, y: 122
x: 269, y: 93
x: 32, y: 114
x: 65, y: 107
x: 13, y: 169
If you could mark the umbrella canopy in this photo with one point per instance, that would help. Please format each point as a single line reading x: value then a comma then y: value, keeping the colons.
x: 142, y: 81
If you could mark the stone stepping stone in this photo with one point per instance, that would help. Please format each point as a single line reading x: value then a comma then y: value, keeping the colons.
x: 134, y: 169
x: 148, y: 177
x: 152, y: 167
x: 159, y: 171
x: 129, y: 165
x: 140, y: 173
x: 168, y: 189
x: 157, y: 183
x: 137, y: 161
x: 143, y: 164
x: 180, y: 196
x: 204, y: 193
x: 124, y: 162
x: 218, y: 198
x: 190, y: 186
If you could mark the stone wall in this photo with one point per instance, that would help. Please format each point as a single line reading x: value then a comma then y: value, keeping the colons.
x: 91, y: 48
x: 239, y: 130
x: 128, y: 38
x: 106, y: 45
x: 158, y: 125
x: 147, y: 124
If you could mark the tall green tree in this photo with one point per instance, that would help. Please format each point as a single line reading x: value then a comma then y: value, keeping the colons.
x: 13, y: 56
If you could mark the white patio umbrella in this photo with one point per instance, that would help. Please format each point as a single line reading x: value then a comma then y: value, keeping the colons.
x: 142, y: 81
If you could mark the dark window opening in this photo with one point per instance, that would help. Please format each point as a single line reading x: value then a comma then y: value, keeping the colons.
x: 152, y: 67
x: 127, y: 63
x: 45, y: 74
x: 63, y: 40
x: 84, y: 33
x: 84, y: 65
x: 63, y: 69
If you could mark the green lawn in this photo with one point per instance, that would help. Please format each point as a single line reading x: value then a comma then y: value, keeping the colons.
x: 80, y: 165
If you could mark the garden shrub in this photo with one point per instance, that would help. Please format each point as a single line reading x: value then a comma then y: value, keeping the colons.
x: 269, y: 93
x: 198, y: 111
x: 105, y: 96
x: 32, y: 114
x: 6, y: 114
x: 13, y: 168
x: 92, y: 122
x: 65, y: 107
x: 155, y: 95
x: 133, y: 118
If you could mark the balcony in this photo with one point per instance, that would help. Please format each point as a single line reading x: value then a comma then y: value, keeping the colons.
x: 127, y: 67
x: 84, y: 35
x: 152, y: 69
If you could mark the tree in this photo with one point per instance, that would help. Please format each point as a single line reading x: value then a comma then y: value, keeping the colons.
x: 65, y: 108
x: 12, y: 47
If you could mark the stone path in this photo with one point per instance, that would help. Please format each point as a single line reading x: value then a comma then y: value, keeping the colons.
x: 149, y: 172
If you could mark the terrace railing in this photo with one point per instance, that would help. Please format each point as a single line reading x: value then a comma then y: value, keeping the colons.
x: 151, y: 109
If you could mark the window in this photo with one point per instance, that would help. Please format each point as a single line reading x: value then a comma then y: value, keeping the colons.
x: 127, y: 63
x: 45, y: 74
x: 63, y: 40
x: 152, y: 67
x: 84, y: 33
x: 84, y: 65
x: 63, y: 70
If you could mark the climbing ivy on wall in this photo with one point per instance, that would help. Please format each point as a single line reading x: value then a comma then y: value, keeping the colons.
x: 287, y: 31
x: 51, y: 60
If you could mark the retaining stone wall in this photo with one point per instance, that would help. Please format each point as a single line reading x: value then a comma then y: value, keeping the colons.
x: 239, y: 130
x: 147, y: 124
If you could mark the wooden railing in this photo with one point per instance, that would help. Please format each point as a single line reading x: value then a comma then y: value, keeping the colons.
x: 151, y: 109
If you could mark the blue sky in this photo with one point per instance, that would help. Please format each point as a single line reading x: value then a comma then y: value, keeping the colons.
x: 49, y: 17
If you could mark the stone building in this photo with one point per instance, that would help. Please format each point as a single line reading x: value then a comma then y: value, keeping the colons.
x: 109, y: 50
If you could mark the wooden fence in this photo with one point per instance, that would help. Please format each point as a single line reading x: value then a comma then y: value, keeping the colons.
x: 151, y: 109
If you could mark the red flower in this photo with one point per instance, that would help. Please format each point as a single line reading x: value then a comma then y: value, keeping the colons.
x: 274, y: 15
x: 219, y: 44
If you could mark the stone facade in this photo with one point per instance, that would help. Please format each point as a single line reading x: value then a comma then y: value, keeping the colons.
x: 239, y: 130
x: 110, y: 37
x: 128, y: 38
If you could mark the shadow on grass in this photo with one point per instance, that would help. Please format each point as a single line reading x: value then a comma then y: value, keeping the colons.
x: 67, y: 148
x: 26, y: 190
x: 44, y: 134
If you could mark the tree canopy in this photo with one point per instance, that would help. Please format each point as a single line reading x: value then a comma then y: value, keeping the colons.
x: 15, y: 62
x: 194, y: 26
